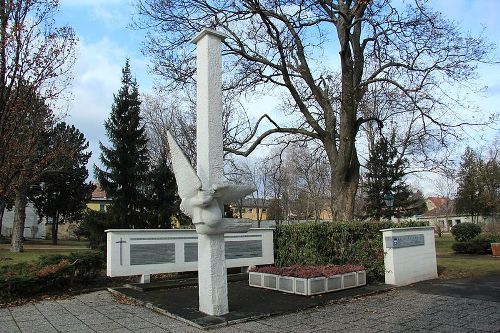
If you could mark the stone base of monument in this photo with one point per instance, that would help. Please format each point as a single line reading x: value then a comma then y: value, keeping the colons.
x: 245, y: 303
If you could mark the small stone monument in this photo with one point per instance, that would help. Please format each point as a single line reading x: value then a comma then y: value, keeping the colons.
x: 204, y: 192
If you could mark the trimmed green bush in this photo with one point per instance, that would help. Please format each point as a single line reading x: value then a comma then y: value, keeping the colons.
x: 464, y: 232
x: 479, y: 245
x: 49, y: 273
x: 92, y: 227
x: 355, y: 243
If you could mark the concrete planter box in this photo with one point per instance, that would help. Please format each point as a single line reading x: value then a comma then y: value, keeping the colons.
x: 307, y: 287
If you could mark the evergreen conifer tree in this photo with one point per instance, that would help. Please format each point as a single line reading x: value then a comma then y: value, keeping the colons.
x: 386, y: 175
x: 163, y: 200
x: 125, y: 173
x: 478, y: 185
x: 63, y: 193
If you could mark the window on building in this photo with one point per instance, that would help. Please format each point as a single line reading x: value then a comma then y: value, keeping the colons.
x: 102, y: 207
x: 264, y: 210
x: 250, y: 210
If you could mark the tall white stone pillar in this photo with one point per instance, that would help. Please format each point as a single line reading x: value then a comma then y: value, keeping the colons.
x: 212, y: 275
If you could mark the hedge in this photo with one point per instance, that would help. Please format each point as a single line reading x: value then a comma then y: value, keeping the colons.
x: 479, y: 245
x: 49, y: 273
x: 354, y: 243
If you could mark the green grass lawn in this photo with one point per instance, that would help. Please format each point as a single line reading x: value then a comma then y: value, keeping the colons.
x: 33, y: 249
x: 459, y: 266
x: 443, y: 244
x: 451, y: 265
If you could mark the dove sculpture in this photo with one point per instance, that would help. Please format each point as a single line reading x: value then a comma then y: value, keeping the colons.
x: 205, y: 207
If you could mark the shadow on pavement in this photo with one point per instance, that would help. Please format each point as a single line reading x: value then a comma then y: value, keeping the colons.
x: 486, y: 288
x: 245, y: 302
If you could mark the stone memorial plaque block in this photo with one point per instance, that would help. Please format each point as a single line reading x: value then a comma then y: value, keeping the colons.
x: 243, y: 249
x: 404, y: 241
x: 139, y: 252
x: 149, y: 254
x: 409, y: 255
x: 190, y: 252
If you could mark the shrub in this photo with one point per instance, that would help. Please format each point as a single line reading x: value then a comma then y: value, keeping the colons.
x: 49, y: 273
x: 479, y: 245
x: 464, y: 232
x: 354, y: 243
x: 92, y: 227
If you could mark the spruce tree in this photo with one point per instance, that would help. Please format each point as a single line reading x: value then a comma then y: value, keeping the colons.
x: 124, y: 177
x: 163, y: 200
x: 385, y: 174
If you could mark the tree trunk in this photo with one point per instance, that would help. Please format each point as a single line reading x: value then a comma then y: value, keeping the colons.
x: 20, y: 202
x: 240, y: 208
x: 344, y: 185
x: 2, y: 209
x: 55, y: 229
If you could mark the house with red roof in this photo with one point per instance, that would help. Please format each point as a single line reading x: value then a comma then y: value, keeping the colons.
x: 99, y: 201
x: 441, y: 213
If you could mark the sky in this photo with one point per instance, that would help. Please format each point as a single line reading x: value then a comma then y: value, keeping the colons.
x: 106, y: 41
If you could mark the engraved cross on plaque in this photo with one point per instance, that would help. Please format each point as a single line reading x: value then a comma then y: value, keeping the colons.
x: 121, y: 249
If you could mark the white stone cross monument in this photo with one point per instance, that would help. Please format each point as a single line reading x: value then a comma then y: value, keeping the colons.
x: 204, y: 192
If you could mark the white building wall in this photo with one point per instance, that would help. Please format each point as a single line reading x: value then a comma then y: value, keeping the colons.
x: 32, y: 229
x: 447, y: 222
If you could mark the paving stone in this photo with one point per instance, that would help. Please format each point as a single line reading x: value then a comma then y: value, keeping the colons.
x: 253, y: 326
x: 281, y: 321
x: 134, y: 323
x: 65, y: 321
x: 8, y: 326
x: 121, y: 330
x: 4, y: 313
x: 43, y: 322
x: 26, y: 317
x: 105, y: 327
x: 75, y: 329
x: 451, y: 329
x: 191, y: 329
x: 38, y: 329
x: 6, y: 318
x: 92, y: 320
x: 163, y: 320
x: 388, y: 312
x: 117, y: 315
x: 24, y: 308
x: 485, y: 327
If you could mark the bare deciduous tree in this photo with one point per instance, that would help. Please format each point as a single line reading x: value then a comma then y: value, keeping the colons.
x: 35, y: 60
x: 178, y: 115
x: 282, y: 44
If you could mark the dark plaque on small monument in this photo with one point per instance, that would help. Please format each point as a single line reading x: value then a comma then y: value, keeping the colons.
x: 404, y: 241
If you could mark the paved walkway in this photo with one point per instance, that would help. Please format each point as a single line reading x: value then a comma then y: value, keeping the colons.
x: 401, y: 310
